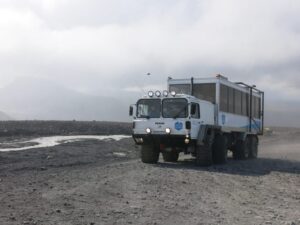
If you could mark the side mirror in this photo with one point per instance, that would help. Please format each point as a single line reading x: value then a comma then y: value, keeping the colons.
x: 188, y: 125
x: 193, y: 109
x: 130, y: 111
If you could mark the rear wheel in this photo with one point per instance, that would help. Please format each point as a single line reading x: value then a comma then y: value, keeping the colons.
x: 170, y: 156
x: 149, y: 154
x: 219, y: 149
x: 253, y: 147
x: 242, y: 149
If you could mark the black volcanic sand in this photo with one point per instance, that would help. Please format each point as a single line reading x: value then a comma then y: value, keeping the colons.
x: 103, y: 182
x: 13, y: 129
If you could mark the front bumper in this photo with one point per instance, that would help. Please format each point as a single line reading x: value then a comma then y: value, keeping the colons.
x: 159, y: 139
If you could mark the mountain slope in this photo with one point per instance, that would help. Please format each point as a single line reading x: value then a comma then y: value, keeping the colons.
x: 41, y: 99
x: 4, y: 116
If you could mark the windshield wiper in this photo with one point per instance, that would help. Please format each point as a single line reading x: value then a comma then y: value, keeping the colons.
x: 180, y: 111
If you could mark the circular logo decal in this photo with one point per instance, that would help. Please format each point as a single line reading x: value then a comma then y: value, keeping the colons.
x: 178, y: 125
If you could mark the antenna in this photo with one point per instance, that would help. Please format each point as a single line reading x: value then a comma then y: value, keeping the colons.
x: 141, y: 87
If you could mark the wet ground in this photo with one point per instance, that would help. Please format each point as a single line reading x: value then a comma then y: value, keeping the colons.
x: 43, y: 142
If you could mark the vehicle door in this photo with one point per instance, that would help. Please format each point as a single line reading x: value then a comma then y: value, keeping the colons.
x: 195, y: 119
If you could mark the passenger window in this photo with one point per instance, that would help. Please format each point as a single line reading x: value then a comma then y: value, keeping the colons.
x: 195, y: 111
x: 224, y: 98
x: 205, y: 92
x: 230, y: 100
x: 238, y: 102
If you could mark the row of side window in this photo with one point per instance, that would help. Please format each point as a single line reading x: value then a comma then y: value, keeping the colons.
x: 206, y: 91
x: 237, y: 102
x: 231, y: 100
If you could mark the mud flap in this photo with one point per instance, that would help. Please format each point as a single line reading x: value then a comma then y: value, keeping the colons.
x: 204, y: 146
x: 201, y: 135
x: 203, y: 155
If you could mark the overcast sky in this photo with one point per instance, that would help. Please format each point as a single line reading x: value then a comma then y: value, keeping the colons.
x: 99, y: 47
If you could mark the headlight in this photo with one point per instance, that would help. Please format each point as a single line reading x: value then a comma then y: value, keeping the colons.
x: 168, y: 130
x: 150, y: 94
x: 157, y: 93
x: 165, y: 93
x: 148, y: 130
x: 173, y: 93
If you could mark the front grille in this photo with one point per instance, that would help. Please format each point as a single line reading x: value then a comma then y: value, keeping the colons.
x: 158, y: 132
x: 167, y: 140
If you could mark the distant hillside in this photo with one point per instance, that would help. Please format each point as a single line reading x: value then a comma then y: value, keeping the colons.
x: 4, y: 116
x: 50, y: 127
x: 40, y: 99
x: 279, y: 113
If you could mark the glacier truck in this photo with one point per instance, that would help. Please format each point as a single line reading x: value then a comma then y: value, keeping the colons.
x: 204, y: 117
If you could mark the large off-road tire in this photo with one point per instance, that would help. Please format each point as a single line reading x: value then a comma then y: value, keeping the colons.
x: 149, y: 154
x: 170, y: 156
x: 219, y: 149
x: 203, y: 156
x: 253, y: 147
x: 242, y: 149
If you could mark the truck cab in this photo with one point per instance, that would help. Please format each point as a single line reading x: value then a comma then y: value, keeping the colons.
x: 169, y: 123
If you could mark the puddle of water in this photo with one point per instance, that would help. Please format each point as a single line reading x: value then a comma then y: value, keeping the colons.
x: 119, y: 154
x: 43, y: 142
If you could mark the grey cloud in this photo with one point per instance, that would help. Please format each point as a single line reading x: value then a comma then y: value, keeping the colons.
x: 102, y: 47
x: 68, y: 14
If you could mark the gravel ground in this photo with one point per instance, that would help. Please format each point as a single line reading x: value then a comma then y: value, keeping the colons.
x: 103, y: 182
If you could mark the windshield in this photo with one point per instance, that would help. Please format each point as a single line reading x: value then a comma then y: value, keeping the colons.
x: 175, y: 108
x: 148, y: 108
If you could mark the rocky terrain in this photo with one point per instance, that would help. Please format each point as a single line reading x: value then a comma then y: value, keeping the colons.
x: 103, y: 182
x: 17, y: 129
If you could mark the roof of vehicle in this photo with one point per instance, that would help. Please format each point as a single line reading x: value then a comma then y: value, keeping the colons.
x: 218, y: 78
x: 189, y: 97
